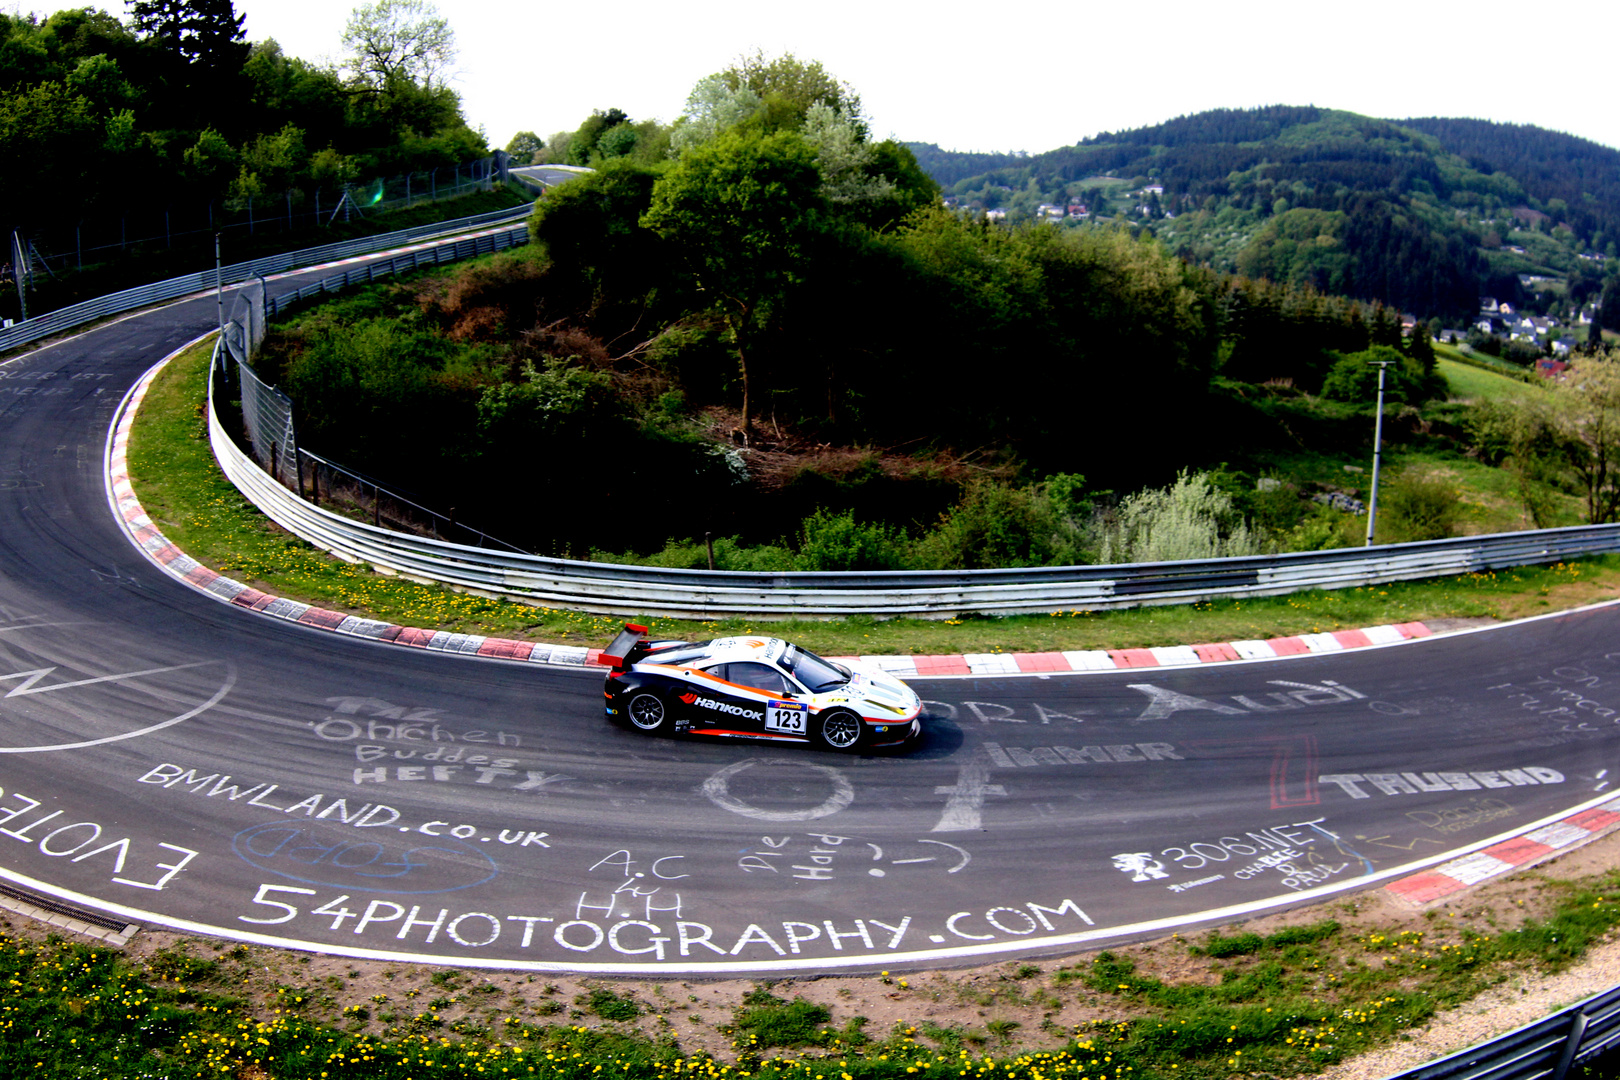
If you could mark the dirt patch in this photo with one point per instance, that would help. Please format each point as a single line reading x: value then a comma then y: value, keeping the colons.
x: 777, y: 455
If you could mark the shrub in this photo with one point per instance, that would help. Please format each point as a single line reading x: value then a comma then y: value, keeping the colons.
x: 1326, y: 527
x: 1190, y: 519
x: 829, y: 541
x: 1354, y: 379
x: 1413, y: 507
x: 996, y: 524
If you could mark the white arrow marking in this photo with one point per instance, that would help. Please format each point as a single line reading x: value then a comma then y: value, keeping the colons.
x: 37, y: 674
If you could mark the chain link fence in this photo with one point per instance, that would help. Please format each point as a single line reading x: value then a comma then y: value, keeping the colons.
x: 267, y: 420
x: 57, y: 249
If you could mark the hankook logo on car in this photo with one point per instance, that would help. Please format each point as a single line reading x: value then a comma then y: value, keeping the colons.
x: 722, y: 706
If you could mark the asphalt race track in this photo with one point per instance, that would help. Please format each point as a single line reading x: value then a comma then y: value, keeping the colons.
x: 184, y: 763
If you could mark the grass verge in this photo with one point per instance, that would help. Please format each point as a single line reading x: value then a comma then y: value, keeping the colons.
x: 186, y: 494
x: 1287, y: 1002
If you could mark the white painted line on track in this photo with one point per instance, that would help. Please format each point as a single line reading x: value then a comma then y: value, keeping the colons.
x: 968, y: 953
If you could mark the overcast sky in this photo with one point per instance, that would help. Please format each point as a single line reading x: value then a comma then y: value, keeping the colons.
x: 1029, y: 76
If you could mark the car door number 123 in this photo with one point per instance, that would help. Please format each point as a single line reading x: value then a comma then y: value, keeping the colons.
x: 787, y: 716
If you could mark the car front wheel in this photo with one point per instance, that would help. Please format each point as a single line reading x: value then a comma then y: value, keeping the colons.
x: 840, y: 730
x: 648, y: 712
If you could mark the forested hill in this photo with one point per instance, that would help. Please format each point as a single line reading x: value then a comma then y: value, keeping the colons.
x: 1425, y: 215
x: 1549, y: 165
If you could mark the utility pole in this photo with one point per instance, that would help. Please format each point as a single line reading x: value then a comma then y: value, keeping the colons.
x: 219, y: 288
x: 1378, y: 443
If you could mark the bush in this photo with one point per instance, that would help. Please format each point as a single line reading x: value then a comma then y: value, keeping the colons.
x: 1190, y: 519
x: 997, y: 525
x: 1354, y: 379
x: 1326, y: 527
x: 829, y: 541
x: 1413, y: 507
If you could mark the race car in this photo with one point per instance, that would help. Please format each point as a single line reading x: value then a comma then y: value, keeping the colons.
x: 754, y: 688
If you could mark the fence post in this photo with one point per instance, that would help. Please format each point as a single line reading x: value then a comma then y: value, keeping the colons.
x: 376, y: 505
x: 1572, y: 1045
x: 315, y: 483
x: 298, y: 462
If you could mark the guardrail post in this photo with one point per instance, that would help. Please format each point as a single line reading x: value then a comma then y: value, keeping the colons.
x: 1572, y: 1045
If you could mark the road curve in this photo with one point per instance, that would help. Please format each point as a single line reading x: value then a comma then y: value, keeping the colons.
x: 181, y: 762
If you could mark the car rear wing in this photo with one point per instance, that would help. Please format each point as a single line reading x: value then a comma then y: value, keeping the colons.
x: 622, y: 651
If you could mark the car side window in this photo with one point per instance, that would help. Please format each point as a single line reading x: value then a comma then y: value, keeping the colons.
x: 756, y: 677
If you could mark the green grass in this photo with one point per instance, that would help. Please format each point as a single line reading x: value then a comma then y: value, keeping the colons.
x: 1286, y: 1004
x: 197, y: 508
x: 1485, y: 361
x: 1489, y: 495
x: 1472, y: 383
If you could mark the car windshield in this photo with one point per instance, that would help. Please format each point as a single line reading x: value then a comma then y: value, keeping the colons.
x: 815, y: 673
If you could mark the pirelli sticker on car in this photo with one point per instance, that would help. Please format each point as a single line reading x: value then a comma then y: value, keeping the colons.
x: 791, y: 717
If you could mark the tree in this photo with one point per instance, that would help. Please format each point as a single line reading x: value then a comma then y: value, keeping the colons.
x: 1420, y: 347
x: 204, y: 34
x: 1354, y: 378
x: 742, y: 210
x: 713, y: 106
x: 394, y: 40
x: 787, y: 87
x: 204, y: 47
x: 592, y: 234
x: 1586, y: 414
x: 582, y: 144
x: 524, y: 146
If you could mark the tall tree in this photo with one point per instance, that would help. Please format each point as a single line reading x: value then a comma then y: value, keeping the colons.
x: 742, y: 210
x: 392, y: 40
x: 201, y: 33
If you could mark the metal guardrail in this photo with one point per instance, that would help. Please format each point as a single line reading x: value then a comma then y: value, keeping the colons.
x: 612, y: 589
x: 73, y: 315
x: 453, y: 252
x: 1547, y: 1048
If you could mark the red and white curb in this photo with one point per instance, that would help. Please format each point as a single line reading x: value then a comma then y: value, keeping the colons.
x: 1166, y: 656
x: 146, y: 536
x: 1508, y: 855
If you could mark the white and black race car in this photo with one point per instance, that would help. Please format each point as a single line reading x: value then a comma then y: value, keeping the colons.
x: 754, y: 688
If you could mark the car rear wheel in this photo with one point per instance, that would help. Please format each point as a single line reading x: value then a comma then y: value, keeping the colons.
x: 648, y: 712
x: 840, y: 729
